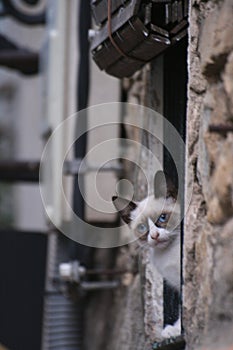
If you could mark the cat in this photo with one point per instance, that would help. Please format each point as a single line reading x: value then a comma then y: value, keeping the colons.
x: 156, y: 221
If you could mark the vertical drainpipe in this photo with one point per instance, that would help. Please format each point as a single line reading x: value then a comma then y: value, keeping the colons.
x: 79, y: 251
x: 63, y: 317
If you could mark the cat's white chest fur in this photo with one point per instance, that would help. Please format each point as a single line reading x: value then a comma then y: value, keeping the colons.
x: 167, y: 262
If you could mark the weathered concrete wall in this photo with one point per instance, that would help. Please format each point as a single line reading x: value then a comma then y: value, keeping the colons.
x: 208, y: 240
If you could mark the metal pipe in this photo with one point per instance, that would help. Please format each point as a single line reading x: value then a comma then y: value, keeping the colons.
x: 77, y: 167
x: 25, y: 62
x: 108, y: 272
x: 87, y: 286
x: 28, y: 171
x: 19, y: 171
x: 78, y: 251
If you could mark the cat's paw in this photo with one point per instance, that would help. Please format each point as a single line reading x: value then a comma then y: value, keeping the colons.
x: 170, y: 331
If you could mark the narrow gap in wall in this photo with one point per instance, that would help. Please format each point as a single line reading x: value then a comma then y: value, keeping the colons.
x: 175, y: 98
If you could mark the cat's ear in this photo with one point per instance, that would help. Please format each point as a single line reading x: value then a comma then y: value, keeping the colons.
x: 163, y: 186
x: 124, y: 207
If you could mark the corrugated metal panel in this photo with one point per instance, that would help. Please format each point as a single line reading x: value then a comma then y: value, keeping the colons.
x: 62, y: 322
x: 62, y: 319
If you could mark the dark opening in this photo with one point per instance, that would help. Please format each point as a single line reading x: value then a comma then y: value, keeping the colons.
x: 175, y: 98
x: 22, y: 270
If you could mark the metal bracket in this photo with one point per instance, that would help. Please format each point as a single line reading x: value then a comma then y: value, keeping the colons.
x: 73, y: 272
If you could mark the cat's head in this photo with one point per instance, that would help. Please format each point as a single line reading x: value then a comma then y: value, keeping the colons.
x: 156, y: 218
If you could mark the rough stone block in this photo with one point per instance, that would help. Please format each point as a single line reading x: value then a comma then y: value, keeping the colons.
x: 228, y: 83
x: 216, y: 39
x: 220, y: 207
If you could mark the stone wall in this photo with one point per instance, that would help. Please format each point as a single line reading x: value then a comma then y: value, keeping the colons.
x: 132, y: 318
x: 208, y: 239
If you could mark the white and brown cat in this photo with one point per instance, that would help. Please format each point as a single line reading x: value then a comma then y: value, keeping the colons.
x: 156, y: 222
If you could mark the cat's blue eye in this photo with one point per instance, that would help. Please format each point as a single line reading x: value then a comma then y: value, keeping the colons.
x: 162, y: 218
x: 142, y: 228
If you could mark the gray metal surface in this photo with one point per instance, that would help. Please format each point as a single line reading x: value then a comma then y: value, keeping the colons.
x: 61, y: 323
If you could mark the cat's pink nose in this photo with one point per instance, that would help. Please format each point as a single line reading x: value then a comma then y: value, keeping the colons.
x: 155, y: 236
